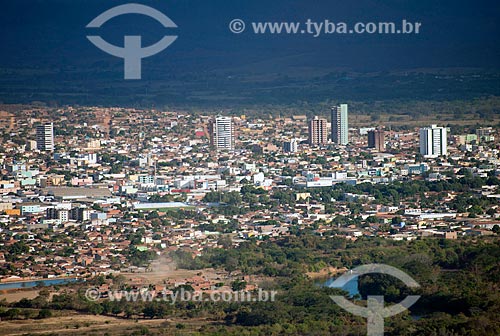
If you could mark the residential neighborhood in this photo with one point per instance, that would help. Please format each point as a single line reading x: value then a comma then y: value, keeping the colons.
x: 84, y: 189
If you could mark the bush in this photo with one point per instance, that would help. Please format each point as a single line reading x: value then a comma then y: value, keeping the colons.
x: 44, y: 313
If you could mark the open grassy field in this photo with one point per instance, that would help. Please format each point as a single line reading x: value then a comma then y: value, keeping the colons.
x: 16, y: 295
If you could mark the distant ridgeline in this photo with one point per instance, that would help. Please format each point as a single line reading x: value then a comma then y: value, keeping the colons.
x: 383, y: 92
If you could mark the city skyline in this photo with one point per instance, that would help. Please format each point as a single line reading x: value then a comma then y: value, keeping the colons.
x: 250, y: 168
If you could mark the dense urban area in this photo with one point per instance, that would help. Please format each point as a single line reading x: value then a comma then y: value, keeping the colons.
x: 121, y: 198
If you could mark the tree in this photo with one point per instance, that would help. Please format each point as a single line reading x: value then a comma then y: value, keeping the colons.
x: 232, y: 198
x: 117, y: 308
x: 18, y: 248
x: 238, y: 285
x: 44, y: 313
x: 287, y: 171
x: 154, y: 309
x: 13, y: 313
x: 152, y: 215
x: 396, y: 220
x: 149, y: 310
x: 225, y: 241
x: 231, y: 265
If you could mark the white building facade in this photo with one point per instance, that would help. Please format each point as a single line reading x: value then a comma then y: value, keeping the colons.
x: 433, y: 141
x: 45, y: 137
x: 340, y: 125
x: 222, y: 133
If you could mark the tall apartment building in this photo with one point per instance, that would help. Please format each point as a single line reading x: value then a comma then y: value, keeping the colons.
x: 318, y: 134
x: 376, y: 139
x: 61, y: 214
x: 433, y: 141
x: 45, y: 137
x: 340, y: 125
x: 221, y: 131
x: 291, y: 146
x: 80, y: 214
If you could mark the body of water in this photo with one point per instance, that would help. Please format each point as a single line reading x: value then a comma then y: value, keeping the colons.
x: 351, y: 287
x: 34, y: 283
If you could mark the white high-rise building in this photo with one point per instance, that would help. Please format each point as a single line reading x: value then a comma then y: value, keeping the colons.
x: 433, y: 141
x: 222, y: 133
x: 340, y: 125
x: 291, y: 146
x: 45, y: 137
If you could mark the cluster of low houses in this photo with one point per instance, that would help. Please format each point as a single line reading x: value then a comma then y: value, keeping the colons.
x: 88, y: 194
